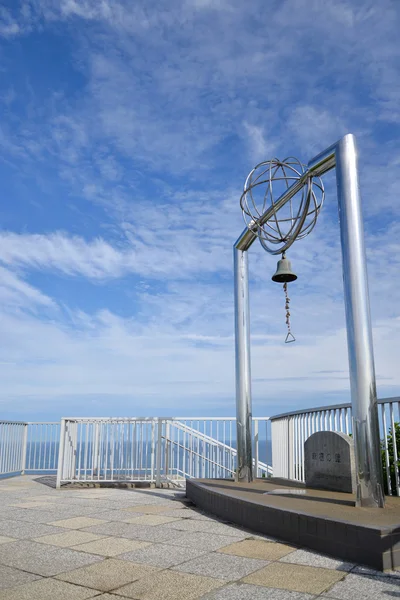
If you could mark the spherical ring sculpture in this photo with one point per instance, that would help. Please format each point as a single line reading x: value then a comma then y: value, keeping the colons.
x: 296, y: 219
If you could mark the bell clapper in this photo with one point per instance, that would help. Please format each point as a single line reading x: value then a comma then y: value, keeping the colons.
x: 285, y: 275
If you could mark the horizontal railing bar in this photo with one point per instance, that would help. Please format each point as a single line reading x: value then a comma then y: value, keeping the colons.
x: 328, y: 407
x: 129, y: 419
x: 310, y: 411
x: 42, y: 422
x: 150, y: 419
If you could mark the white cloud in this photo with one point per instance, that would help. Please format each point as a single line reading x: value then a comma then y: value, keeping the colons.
x: 261, y: 149
x: 8, y: 25
x: 16, y: 293
x: 98, y: 259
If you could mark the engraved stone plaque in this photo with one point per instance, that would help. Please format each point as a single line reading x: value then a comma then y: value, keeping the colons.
x: 329, y: 462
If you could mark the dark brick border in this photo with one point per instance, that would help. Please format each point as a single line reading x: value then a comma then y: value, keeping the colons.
x: 376, y: 547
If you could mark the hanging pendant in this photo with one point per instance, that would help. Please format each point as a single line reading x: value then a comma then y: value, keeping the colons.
x: 290, y: 337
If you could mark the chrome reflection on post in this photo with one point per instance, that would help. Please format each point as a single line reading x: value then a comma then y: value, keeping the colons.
x: 343, y: 156
x: 244, y: 470
x: 359, y: 330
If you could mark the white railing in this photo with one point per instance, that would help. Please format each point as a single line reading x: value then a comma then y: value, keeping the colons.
x: 42, y: 445
x: 154, y: 449
x: 289, y: 431
x: 206, y: 448
x: 107, y: 450
x: 28, y: 447
x: 12, y: 447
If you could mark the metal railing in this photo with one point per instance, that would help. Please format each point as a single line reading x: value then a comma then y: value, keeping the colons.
x: 206, y: 448
x: 154, y: 449
x: 28, y: 447
x: 12, y: 447
x: 42, y: 445
x: 289, y: 431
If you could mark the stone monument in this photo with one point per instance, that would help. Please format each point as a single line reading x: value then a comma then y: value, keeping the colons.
x: 329, y: 462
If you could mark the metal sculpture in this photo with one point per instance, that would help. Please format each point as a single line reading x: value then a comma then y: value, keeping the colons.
x: 265, y: 225
x: 293, y: 221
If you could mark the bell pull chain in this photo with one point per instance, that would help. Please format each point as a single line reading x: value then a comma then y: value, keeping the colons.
x: 290, y: 337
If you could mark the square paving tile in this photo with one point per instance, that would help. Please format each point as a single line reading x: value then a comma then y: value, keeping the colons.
x: 221, y: 566
x: 116, y: 515
x: 108, y: 597
x: 169, y: 585
x: 6, y: 540
x: 78, y: 522
x: 360, y: 587
x: 24, y: 530
x: 30, y: 504
x: 111, y: 546
x: 48, y: 589
x: 199, y: 540
x: 149, y: 509
x: 44, y: 498
x: 258, y: 549
x: 296, y: 578
x: 146, y: 533
x: 162, y: 555
x: 153, y: 520
x: 108, y: 575
x: 11, y: 577
x: 43, y: 559
x: 250, y: 535
x: 68, y: 538
x: 7, y: 512
x: 45, y: 516
x: 206, y: 527
x: 190, y: 513
x: 313, y: 559
x: 243, y: 591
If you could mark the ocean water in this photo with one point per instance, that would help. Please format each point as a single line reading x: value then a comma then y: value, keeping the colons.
x: 131, y: 459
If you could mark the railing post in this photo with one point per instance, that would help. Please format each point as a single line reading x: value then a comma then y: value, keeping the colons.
x: 167, y: 447
x: 266, y: 446
x: 153, y: 449
x: 290, y: 470
x: 256, y: 448
x: 158, y: 453
x: 60, y: 465
x: 24, y: 448
x: 96, y: 450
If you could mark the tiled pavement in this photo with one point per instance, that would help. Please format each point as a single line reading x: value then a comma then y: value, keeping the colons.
x: 149, y: 545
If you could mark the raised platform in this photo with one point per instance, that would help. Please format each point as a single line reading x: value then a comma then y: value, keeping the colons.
x: 327, y: 522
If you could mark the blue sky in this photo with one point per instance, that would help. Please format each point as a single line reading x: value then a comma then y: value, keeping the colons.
x: 126, y: 132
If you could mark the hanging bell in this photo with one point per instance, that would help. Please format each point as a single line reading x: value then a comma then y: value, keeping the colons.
x: 284, y: 273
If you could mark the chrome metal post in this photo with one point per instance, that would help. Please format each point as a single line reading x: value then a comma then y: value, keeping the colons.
x: 244, y: 471
x: 359, y: 330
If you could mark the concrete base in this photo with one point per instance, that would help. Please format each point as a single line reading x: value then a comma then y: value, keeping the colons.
x: 327, y: 522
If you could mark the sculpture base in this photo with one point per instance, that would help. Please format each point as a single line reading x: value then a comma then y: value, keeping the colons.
x: 327, y: 522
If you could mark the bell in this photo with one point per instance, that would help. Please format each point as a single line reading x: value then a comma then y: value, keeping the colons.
x: 284, y: 273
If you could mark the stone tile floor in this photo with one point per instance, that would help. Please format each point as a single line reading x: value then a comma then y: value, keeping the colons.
x: 151, y: 545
